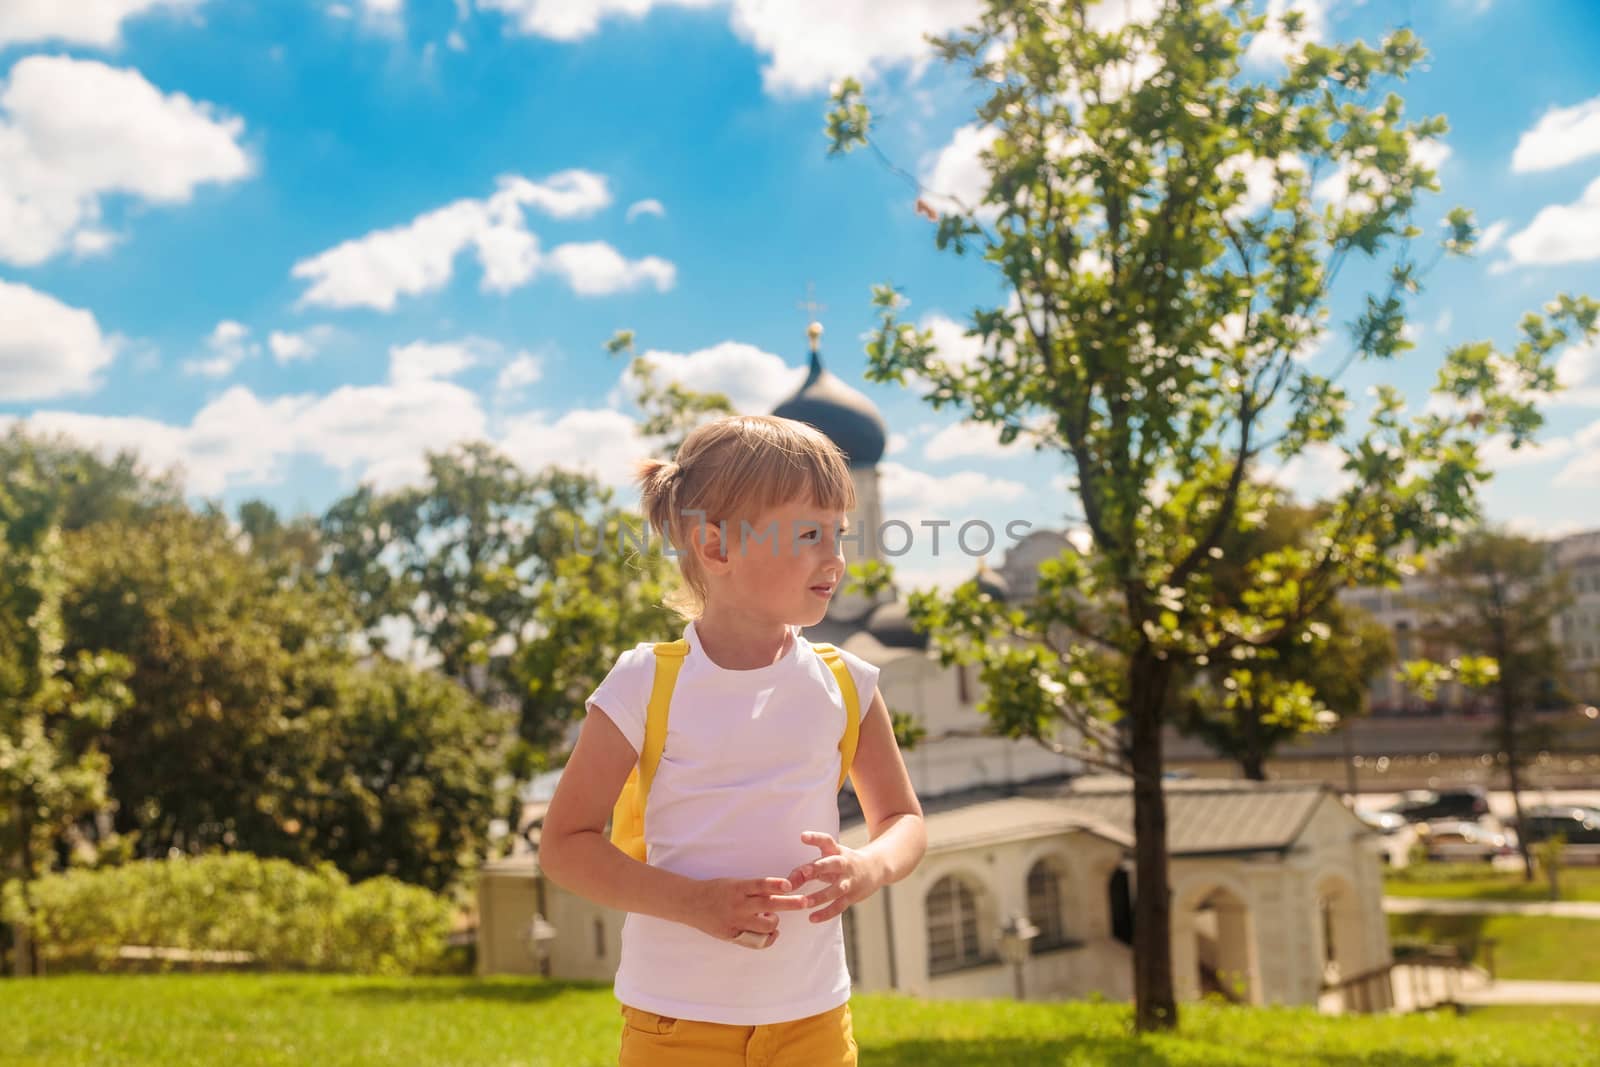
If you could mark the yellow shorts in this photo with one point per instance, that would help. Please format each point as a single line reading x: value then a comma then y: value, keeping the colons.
x: 651, y: 1040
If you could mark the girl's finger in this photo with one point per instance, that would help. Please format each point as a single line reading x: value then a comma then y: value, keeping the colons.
x: 832, y: 911
x: 826, y: 895
x: 825, y: 842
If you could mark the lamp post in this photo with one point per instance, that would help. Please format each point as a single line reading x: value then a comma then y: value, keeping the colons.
x: 538, y: 936
x: 1015, y: 936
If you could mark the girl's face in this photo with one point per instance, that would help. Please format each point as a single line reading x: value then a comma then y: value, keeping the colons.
x: 786, y: 564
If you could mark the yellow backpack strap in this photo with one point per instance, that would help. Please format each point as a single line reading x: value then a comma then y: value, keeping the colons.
x: 669, y: 657
x: 852, y: 708
x: 627, y: 816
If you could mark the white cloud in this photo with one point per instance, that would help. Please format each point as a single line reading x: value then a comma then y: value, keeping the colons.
x: 1492, y: 235
x: 377, y: 269
x: 898, y: 442
x: 573, y: 20
x: 967, y: 439
x: 955, y: 349
x: 1312, y: 475
x: 1562, y: 135
x: 47, y: 348
x: 378, y: 432
x: 910, y: 494
x: 229, y: 345
x: 423, y: 361
x: 75, y: 131
x: 1272, y: 45
x: 594, y: 268
x: 812, y: 44
x: 520, y: 373
x: 955, y: 176
x: 97, y: 23
x: 286, y: 347
x: 1578, y: 373
x: 808, y: 45
x: 755, y: 381
x: 1583, y: 470
x: 598, y: 441
x: 1499, y: 455
x: 646, y: 207
x: 1561, y: 233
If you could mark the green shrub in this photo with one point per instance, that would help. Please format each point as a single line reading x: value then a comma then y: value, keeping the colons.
x: 286, y: 917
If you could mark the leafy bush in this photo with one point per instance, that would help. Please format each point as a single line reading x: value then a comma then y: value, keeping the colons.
x: 286, y: 917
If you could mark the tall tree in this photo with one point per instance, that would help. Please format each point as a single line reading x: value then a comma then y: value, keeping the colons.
x: 54, y: 705
x: 1155, y: 216
x: 1247, y: 712
x: 1494, y: 599
x: 222, y: 659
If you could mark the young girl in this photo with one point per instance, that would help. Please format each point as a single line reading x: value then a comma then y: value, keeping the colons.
x: 733, y: 949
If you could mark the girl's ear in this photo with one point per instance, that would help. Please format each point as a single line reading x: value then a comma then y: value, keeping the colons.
x: 709, y: 548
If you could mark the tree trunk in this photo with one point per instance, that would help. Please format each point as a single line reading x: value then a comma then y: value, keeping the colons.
x: 1252, y: 757
x: 1155, y: 1005
x: 1508, y: 744
x: 1516, y: 803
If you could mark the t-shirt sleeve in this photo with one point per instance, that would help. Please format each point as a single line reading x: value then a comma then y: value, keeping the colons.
x: 865, y: 675
x: 624, y: 693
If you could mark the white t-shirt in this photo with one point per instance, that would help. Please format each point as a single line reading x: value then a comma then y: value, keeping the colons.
x: 751, y: 760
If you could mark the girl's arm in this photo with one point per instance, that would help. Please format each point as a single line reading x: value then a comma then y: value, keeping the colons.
x: 894, y: 820
x: 576, y: 853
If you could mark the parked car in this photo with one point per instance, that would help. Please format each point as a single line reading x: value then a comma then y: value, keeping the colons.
x: 1385, y: 822
x: 1425, y: 805
x: 1460, y: 840
x: 1580, y: 825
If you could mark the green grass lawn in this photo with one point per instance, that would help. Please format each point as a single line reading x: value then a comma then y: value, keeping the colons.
x: 1456, y: 881
x: 1529, y: 947
x: 333, y: 1021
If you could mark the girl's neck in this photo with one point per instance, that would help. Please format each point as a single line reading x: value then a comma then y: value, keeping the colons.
x: 736, y: 641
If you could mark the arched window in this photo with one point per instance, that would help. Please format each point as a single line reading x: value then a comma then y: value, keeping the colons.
x: 952, y: 926
x: 1044, y: 906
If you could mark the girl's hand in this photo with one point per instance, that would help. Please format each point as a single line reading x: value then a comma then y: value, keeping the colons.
x: 743, y: 910
x: 850, y: 876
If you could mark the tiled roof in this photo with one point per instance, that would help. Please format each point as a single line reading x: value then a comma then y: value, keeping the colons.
x: 1205, y: 817
x: 989, y: 822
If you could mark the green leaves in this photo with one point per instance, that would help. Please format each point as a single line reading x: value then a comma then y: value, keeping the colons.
x: 849, y: 120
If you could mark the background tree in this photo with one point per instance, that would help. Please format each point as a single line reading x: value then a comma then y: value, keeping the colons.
x: 225, y: 663
x: 1166, y: 274
x: 1494, y: 599
x: 54, y: 705
x: 1247, y: 713
x: 400, y: 773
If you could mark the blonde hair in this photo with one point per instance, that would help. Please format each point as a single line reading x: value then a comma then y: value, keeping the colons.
x: 734, y: 468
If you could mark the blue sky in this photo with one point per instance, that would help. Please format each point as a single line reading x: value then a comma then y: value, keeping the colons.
x: 294, y: 244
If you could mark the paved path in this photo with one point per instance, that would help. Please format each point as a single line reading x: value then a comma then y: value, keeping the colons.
x: 1563, y: 909
x: 1533, y: 993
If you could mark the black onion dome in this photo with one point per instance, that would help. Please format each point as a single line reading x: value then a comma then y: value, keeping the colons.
x: 847, y: 417
x: 891, y: 625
